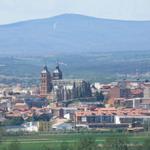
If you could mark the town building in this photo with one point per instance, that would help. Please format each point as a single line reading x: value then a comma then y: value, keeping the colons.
x: 111, y: 117
x: 58, y: 89
x: 132, y: 103
x: 46, y: 84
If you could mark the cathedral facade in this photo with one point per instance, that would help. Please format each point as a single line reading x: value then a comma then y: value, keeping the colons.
x: 59, y: 89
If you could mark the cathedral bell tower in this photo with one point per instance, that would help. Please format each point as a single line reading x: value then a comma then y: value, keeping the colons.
x: 57, y: 73
x: 46, y: 82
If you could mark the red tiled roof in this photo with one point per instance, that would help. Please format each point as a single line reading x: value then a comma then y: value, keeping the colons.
x: 114, y: 111
x: 136, y: 91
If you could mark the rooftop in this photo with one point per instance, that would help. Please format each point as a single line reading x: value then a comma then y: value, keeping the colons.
x: 114, y: 112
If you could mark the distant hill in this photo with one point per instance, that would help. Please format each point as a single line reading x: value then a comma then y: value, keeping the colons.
x: 70, y: 33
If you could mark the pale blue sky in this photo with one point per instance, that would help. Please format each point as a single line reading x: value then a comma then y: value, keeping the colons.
x: 17, y: 10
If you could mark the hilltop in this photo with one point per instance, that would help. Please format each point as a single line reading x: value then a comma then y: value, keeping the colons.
x: 70, y: 33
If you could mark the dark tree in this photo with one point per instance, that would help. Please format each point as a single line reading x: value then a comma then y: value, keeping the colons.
x: 65, y: 146
x: 2, y: 132
x: 46, y: 147
x: 116, y: 142
x: 0, y: 135
x: 99, y: 96
x: 14, y: 146
x: 87, y: 142
x: 146, y: 145
x: 14, y: 121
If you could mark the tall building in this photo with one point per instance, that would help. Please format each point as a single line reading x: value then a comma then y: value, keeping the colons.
x: 46, y: 82
x: 124, y: 89
x: 57, y: 73
x: 114, y: 92
x: 59, y: 89
x: 147, y: 90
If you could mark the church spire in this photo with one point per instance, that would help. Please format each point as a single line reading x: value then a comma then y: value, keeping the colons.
x: 57, y: 73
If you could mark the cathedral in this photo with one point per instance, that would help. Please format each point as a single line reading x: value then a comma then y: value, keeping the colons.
x: 58, y: 89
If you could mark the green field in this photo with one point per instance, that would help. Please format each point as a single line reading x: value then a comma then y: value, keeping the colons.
x: 36, y: 142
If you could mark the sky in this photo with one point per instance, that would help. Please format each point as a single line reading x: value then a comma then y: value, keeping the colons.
x: 19, y: 10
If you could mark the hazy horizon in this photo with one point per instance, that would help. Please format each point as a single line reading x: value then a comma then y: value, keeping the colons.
x: 15, y: 10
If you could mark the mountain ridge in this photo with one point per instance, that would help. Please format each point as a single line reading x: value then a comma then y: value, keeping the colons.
x: 71, y: 14
x: 73, y: 33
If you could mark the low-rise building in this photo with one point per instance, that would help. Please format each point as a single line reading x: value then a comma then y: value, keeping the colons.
x: 111, y: 117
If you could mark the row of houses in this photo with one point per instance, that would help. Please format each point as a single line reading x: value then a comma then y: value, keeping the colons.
x: 112, y: 117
